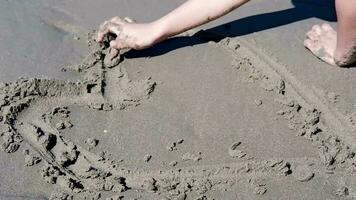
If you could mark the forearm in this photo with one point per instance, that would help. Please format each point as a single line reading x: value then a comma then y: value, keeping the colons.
x: 194, y: 13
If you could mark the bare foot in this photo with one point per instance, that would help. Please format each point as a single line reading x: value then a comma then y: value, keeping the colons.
x: 322, y: 41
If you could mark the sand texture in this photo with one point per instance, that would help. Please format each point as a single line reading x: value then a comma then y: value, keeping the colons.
x: 216, y: 120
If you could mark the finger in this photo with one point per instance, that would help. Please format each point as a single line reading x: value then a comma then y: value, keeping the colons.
x: 114, y: 28
x: 129, y: 20
x: 113, y: 53
x: 102, y: 31
x: 109, y: 28
x: 117, y: 20
x: 118, y: 44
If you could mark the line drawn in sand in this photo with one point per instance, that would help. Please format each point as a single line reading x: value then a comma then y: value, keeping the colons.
x: 105, y: 86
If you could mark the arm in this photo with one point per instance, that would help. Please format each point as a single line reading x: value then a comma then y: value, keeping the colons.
x: 189, y: 15
x: 194, y: 13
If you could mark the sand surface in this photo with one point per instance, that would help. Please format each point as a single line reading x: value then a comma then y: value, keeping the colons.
x: 200, y: 116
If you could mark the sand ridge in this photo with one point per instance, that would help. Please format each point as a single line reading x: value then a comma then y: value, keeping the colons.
x: 107, y: 86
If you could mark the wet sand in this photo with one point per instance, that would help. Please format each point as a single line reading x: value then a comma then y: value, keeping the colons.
x: 216, y: 120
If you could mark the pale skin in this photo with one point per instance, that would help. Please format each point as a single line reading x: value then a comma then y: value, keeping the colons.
x: 336, y: 48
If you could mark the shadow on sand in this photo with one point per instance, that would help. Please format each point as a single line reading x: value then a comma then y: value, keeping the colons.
x: 303, y: 9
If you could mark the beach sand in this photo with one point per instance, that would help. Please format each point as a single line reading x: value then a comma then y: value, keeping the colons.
x: 200, y: 116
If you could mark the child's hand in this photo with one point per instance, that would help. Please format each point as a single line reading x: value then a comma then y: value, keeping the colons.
x: 129, y: 34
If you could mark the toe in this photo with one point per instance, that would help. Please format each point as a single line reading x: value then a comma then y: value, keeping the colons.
x: 330, y: 60
x: 309, y: 44
x: 312, y: 46
x: 317, y: 29
x: 312, y: 35
x: 326, y: 27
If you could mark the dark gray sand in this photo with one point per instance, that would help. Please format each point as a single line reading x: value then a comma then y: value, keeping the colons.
x: 213, y: 121
x: 110, y: 134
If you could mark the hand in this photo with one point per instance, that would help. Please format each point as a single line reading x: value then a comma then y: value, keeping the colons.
x: 129, y: 35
